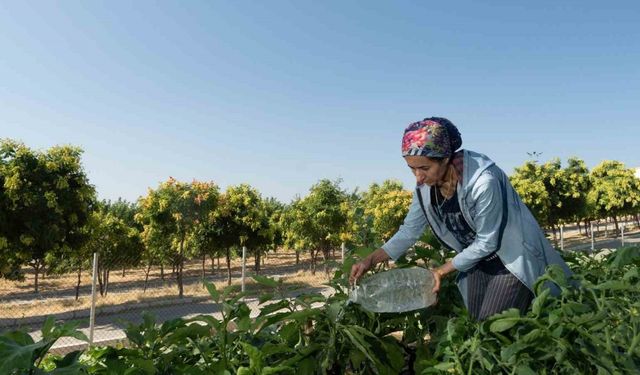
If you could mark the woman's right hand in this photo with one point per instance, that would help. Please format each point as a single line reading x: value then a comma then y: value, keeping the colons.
x: 358, y: 269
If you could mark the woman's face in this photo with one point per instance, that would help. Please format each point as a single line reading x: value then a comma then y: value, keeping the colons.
x: 427, y: 171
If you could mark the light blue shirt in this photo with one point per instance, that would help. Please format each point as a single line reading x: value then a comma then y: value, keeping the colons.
x: 495, y: 212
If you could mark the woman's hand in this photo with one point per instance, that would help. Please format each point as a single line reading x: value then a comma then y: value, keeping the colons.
x: 437, y: 276
x: 358, y: 269
x: 439, y: 273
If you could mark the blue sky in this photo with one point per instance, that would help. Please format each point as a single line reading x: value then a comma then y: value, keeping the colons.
x: 280, y: 94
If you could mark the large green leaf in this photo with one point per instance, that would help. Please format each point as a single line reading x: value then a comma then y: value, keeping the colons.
x: 52, y: 332
x: 144, y: 366
x: 503, y: 324
x: 17, y: 353
x: 69, y: 365
x: 614, y: 285
x: 303, y: 315
x: 191, y: 331
x: 625, y: 256
x: 310, y: 298
x: 264, y: 297
x: 213, y: 292
x: 539, y: 302
x: 508, y: 353
x: 256, y: 357
x: 532, y: 336
x: 266, y: 281
x: 47, y: 327
x: 357, y: 338
x: 273, y: 307
x: 133, y: 334
x: 209, y: 320
x: 524, y: 370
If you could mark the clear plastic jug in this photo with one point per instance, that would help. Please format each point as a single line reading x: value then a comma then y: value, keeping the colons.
x: 395, y: 290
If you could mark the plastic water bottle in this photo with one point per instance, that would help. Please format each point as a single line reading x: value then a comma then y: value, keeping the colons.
x: 395, y: 290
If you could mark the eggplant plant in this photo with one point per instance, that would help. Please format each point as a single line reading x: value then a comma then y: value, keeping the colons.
x: 591, y: 327
x: 22, y: 355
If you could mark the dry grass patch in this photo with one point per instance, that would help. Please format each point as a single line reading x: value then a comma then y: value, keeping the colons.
x: 158, y: 295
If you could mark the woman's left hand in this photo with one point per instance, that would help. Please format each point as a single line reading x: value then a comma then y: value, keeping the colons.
x: 439, y: 273
x: 437, y: 276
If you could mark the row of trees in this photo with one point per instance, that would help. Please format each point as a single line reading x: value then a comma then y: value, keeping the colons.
x: 573, y: 194
x: 51, y: 220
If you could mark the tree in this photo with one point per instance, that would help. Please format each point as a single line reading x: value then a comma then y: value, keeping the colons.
x: 10, y: 261
x: 239, y: 219
x: 176, y: 209
x: 318, y: 219
x: 357, y: 230
x: 615, y: 192
x: 294, y: 223
x: 157, y: 246
x: 207, y: 239
x: 275, y: 211
x: 553, y: 194
x: 528, y: 181
x: 267, y: 234
x: 48, y: 200
x: 387, y: 205
x: 66, y: 259
x: 116, y: 243
x: 579, y: 185
x: 126, y: 211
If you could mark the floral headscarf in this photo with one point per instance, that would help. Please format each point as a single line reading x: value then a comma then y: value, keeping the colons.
x: 432, y: 137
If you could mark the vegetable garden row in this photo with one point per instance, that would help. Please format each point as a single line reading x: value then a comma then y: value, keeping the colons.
x: 593, y: 327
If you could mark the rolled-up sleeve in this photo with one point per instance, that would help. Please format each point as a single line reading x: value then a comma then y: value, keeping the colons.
x: 488, y: 220
x: 409, y: 232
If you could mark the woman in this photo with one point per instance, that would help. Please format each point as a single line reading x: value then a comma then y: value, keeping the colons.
x: 472, y: 208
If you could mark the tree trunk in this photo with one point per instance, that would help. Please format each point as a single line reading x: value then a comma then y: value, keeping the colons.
x: 213, y: 269
x: 579, y: 228
x: 162, y: 271
x: 181, y: 276
x: 297, y: 257
x: 257, y: 262
x: 100, y: 280
x: 106, y: 281
x: 615, y: 222
x: 228, y: 266
x: 106, y: 284
x: 218, y: 260
x: 326, y: 253
x: 638, y: 220
x: 123, y: 268
x: 555, y: 235
x: 587, y: 228
x: 36, y: 270
x: 313, y: 262
x: 204, y: 263
x: 146, y: 277
x: 78, y: 284
x: 179, y: 266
